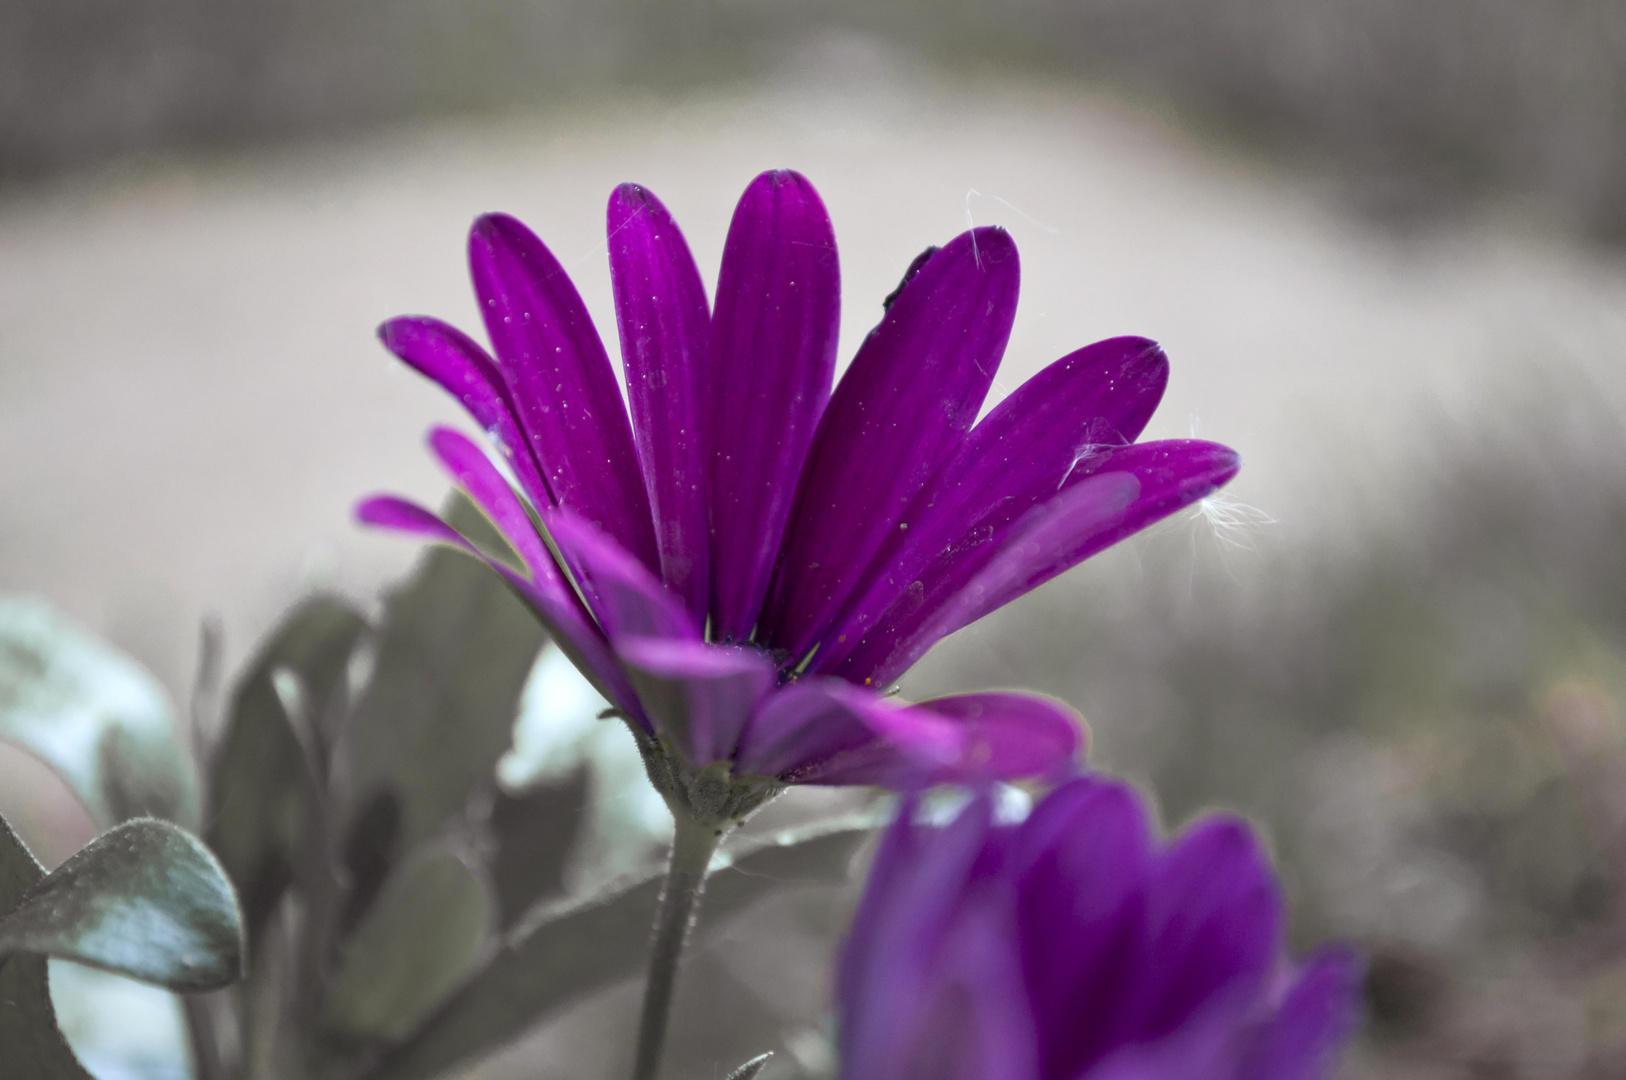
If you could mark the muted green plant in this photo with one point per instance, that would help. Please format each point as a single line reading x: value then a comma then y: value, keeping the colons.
x: 402, y: 913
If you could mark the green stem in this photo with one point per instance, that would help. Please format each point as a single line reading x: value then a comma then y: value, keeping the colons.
x: 693, y: 844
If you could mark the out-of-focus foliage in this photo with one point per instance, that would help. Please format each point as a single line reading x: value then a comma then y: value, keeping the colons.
x: 569, y: 950
x: 145, y: 899
x: 407, y: 912
x: 1414, y: 105
x: 1432, y: 730
x: 94, y: 715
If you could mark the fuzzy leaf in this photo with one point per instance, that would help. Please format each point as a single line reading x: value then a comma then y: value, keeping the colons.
x: 262, y: 785
x: 415, y: 944
x: 94, y: 715
x: 28, y: 1033
x: 454, y: 653
x: 562, y: 952
x: 145, y: 899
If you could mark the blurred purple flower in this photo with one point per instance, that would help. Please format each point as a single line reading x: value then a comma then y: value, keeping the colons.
x: 733, y: 566
x: 1076, y: 947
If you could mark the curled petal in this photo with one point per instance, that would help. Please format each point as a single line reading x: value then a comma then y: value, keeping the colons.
x: 473, y: 472
x: 461, y: 367
x: 577, y: 636
x: 560, y: 380
x: 773, y: 358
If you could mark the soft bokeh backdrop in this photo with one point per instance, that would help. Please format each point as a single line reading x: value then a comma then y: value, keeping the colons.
x: 1375, y: 239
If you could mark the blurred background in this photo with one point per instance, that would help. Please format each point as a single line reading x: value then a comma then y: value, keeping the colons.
x: 1379, y: 240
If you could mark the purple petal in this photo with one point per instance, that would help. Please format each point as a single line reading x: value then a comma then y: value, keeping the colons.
x: 1051, y: 433
x: 920, y: 880
x: 473, y: 472
x: 699, y: 696
x: 461, y: 367
x: 623, y: 595
x: 824, y: 731
x: 901, y: 410
x: 773, y: 358
x: 974, y: 1021
x: 1319, y: 1013
x: 1083, y: 860
x: 665, y: 328
x: 817, y: 726
x: 560, y: 381
x: 911, y: 606
x: 576, y: 635
x: 1008, y: 736
x: 1214, y: 926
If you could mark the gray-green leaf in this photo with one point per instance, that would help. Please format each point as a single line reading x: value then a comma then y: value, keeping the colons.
x: 262, y: 786
x: 94, y: 715
x: 145, y: 899
x: 28, y: 1033
x: 453, y: 656
x: 535, y: 832
x: 415, y: 944
x: 563, y: 952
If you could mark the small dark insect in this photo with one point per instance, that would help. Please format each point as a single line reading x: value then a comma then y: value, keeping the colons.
x: 908, y: 275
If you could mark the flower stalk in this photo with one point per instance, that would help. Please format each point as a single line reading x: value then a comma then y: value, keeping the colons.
x: 693, y: 843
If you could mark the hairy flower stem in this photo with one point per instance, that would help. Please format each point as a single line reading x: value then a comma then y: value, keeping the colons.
x: 693, y: 843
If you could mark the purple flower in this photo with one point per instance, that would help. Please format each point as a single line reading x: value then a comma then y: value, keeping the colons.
x: 738, y: 562
x: 1077, y: 947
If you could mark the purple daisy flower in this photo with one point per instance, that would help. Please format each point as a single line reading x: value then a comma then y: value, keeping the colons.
x: 1076, y: 947
x: 740, y: 567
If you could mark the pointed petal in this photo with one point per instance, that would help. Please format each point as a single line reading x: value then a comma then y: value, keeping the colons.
x: 1053, y: 432
x: 824, y: 731
x: 970, y: 1019
x: 994, y: 573
x: 624, y: 597
x: 1083, y: 860
x: 1214, y: 928
x: 1318, y: 1014
x: 576, y: 636
x: 699, y: 696
x: 472, y: 471
x: 561, y: 383
x: 773, y: 358
x: 901, y: 410
x: 1086, y: 517
x: 921, y: 879
x: 461, y: 367
x: 818, y: 724
x: 665, y: 326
